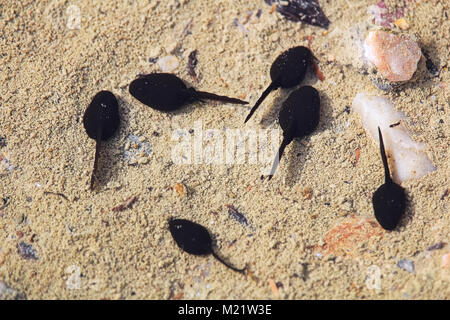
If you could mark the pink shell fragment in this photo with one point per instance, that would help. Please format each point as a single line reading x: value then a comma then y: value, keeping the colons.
x: 395, y: 57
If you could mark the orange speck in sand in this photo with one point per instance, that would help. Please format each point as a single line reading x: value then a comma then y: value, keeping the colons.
x: 357, y: 155
x: 274, y: 7
x: 343, y: 239
x: 273, y: 286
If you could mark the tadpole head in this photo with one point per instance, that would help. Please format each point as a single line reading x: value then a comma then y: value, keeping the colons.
x: 191, y: 237
x: 160, y: 91
x: 300, y: 113
x: 102, y: 115
x: 389, y: 203
x: 289, y: 68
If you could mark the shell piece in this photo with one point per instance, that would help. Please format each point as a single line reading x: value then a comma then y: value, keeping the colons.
x: 408, y: 159
x: 308, y: 11
x: 395, y: 57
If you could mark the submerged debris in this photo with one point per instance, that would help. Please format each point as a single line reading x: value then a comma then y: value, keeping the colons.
x: 5, y: 163
x: 382, y: 16
x: 382, y: 84
x: 236, y: 215
x: 62, y: 195
x: 431, y: 67
x: 180, y: 189
x: 308, y: 11
x: 2, y: 142
x: 126, y: 205
x: 406, y: 265
x: 4, y: 203
x: 436, y: 246
x: 27, y: 251
x: 192, y: 63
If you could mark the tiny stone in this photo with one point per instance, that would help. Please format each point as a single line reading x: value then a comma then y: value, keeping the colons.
x: 401, y: 23
x: 274, y: 37
x: 342, y: 213
x: 406, y: 265
x: 347, y: 205
x: 168, y: 63
x: 27, y: 251
x: 19, y: 219
x: 181, y: 189
x: 307, y: 193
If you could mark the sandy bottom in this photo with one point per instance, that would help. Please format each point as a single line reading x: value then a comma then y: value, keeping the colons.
x: 311, y: 232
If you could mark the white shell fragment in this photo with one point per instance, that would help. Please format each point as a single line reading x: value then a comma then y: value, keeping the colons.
x: 407, y: 158
x: 168, y: 63
x: 394, y: 57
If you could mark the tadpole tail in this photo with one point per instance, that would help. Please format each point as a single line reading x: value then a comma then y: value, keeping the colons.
x: 283, y: 145
x: 98, y: 143
x: 387, y: 174
x: 211, y: 96
x: 228, y: 265
x: 260, y: 100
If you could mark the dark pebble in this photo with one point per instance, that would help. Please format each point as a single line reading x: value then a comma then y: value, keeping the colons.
x: 27, y: 251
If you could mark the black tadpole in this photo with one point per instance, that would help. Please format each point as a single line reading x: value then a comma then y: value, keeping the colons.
x: 389, y: 200
x: 101, y: 120
x: 299, y: 116
x: 287, y: 71
x: 194, y: 239
x: 166, y: 92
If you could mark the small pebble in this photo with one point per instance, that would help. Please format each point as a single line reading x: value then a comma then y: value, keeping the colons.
x: 180, y: 189
x: 395, y: 57
x: 406, y: 265
x: 446, y: 260
x: 27, y: 251
x: 168, y: 63
x: 402, y: 24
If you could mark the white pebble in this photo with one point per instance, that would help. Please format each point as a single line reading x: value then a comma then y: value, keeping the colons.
x: 168, y: 63
x: 408, y: 159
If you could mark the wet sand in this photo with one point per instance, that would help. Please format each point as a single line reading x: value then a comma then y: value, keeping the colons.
x: 311, y: 232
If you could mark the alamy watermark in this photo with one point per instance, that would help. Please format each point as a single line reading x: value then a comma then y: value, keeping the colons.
x: 225, y: 146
